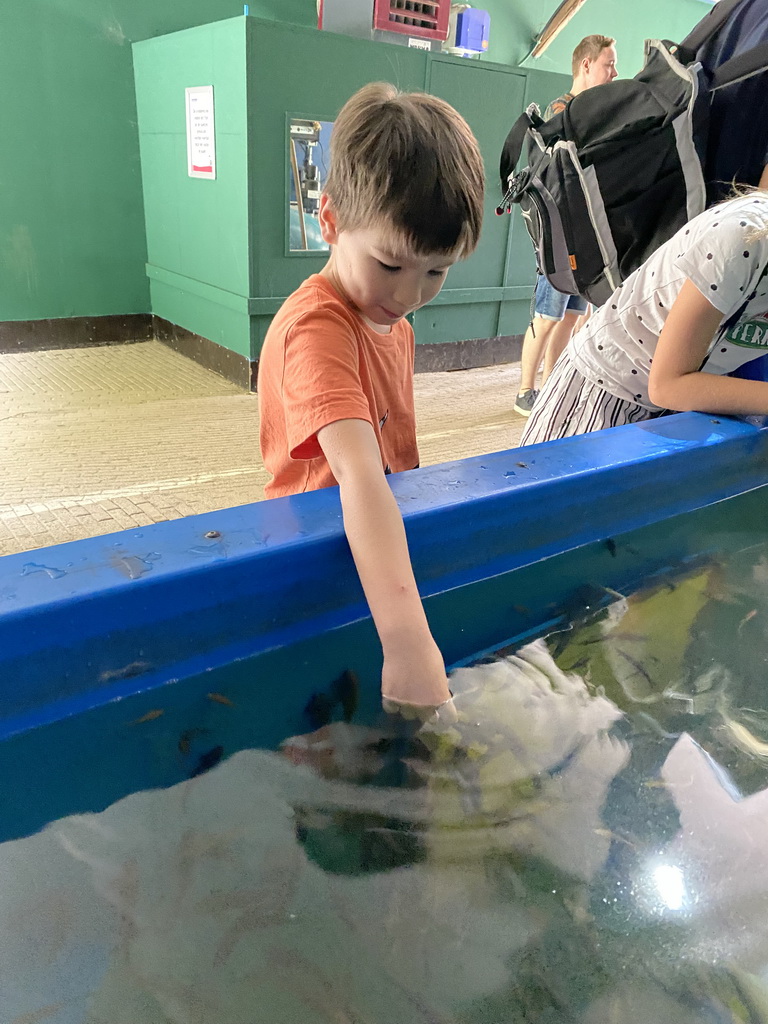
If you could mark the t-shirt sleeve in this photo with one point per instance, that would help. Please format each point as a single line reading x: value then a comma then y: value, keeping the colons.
x: 726, y: 261
x: 321, y: 380
x: 555, y: 107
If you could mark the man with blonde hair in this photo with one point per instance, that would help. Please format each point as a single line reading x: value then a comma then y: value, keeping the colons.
x: 403, y: 201
x: 593, y: 63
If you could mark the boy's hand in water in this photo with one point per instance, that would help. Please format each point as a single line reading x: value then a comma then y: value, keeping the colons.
x: 413, y: 680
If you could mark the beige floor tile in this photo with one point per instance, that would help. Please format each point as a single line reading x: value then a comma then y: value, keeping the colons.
x: 102, y: 439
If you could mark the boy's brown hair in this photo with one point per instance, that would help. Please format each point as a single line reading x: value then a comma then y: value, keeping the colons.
x: 411, y: 160
x: 590, y: 46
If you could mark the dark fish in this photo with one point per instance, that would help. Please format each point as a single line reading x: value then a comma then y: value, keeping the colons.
x: 187, y: 736
x: 344, y: 691
x: 319, y: 710
x: 637, y: 667
x: 207, y: 761
x: 347, y: 688
x: 610, y: 543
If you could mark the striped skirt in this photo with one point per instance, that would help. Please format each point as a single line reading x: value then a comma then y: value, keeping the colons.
x: 570, y: 404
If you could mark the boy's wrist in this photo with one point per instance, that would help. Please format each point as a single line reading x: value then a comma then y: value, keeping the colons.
x: 397, y: 637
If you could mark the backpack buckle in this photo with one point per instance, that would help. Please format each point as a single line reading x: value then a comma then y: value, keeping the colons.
x: 517, y: 185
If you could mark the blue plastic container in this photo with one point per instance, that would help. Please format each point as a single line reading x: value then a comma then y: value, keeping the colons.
x: 473, y: 29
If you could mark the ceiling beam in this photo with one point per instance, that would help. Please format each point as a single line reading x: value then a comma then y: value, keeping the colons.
x: 556, y: 24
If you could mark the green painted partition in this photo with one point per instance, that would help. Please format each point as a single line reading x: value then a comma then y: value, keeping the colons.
x: 71, y: 219
x: 71, y: 233
x: 218, y: 259
x: 198, y: 258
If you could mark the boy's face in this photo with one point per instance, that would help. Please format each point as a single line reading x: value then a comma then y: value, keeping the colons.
x: 377, y: 272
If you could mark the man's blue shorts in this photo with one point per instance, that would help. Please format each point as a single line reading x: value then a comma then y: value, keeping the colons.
x: 552, y: 304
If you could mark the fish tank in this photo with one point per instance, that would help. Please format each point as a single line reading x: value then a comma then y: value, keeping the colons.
x: 207, y: 816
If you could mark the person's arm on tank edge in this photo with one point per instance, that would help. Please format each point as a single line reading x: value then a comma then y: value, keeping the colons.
x: 675, y: 381
x: 413, y: 670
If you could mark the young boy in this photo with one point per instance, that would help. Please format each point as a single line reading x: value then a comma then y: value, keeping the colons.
x: 402, y: 203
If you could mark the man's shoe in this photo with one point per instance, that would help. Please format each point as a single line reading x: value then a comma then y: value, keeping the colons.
x: 524, y: 401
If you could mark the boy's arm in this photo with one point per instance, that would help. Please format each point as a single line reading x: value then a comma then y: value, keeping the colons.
x: 413, y: 670
x: 675, y: 381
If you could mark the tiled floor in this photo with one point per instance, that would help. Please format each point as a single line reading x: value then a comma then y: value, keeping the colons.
x: 103, y: 439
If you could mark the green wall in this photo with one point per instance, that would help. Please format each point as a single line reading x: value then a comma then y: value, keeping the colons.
x: 516, y: 23
x: 197, y: 230
x: 72, y: 239
x: 71, y: 218
x: 70, y: 202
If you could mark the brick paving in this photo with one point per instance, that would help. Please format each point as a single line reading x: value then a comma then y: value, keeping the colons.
x: 104, y: 439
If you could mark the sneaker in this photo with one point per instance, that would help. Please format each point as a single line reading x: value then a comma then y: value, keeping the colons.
x: 524, y: 401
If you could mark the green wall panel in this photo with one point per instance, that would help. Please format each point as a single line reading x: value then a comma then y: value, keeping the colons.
x: 300, y: 73
x: 480, y: 93
x: 515, y: 316
x: 195, y: 227
x: 437, y: 323
x: 72, y: 238
x: 202, y: 315
x: 71, y: 225
x: 141, y: 19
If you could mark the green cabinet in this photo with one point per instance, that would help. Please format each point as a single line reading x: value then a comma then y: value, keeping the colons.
x: 218, y: 262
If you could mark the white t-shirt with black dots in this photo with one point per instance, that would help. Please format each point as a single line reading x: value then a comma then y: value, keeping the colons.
x: 718, y: 251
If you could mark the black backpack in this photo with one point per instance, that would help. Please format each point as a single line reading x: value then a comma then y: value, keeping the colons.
x: 616, y: 173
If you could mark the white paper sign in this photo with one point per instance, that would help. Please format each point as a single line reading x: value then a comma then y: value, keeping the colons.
x: 201, y: 133
x: 419, y: 44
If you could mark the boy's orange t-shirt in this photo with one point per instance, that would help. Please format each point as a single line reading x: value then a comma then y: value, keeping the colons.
x: 321, y: 363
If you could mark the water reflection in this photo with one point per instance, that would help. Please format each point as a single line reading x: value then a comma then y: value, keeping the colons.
x: 586, y: 845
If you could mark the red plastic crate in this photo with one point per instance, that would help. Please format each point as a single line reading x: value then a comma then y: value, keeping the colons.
x: 427, y: 19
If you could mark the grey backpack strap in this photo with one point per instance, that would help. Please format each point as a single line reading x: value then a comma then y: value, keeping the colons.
x: 513, y: 144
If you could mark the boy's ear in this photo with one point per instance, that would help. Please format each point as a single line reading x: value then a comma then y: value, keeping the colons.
x: 326, y: 215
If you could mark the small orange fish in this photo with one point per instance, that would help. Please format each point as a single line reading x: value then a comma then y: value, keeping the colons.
x: 747, y: 618
x: 149, y: 717
x: 606, y: 833
x: 219, y: 698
